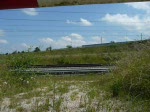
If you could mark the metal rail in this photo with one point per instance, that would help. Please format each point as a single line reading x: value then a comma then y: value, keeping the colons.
x: 66, y: 65
x: 68, y: 70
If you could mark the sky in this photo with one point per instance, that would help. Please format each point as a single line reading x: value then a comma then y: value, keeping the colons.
x: 23, y: 29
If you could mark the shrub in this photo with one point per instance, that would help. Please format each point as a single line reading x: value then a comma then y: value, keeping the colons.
x: 133, y: 74
x: 12, y: 78
x: 20, y: 61
x: 116, y: 88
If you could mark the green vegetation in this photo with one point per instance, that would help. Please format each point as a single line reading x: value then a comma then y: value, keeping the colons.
x: 37, y: 49
x: 127, y: 88
x: 15, y: 82
x: 132, y: 75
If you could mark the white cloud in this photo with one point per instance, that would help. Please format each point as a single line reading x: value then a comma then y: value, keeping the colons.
x: 127, y: 38
x: 76, y: 43
x: 2, y: 33
x: 2, y: 41
x: 30, y: 11
x: 134, y: 23
x: 76, y: 36
x: 25, y: 45
x: 85, y: 22
x: 46, y: 40
x: 71, y: 22
x: 145, y: 6
x: 68, y: 39
x: 98, y: 40
x: 82, y: 22
x: 74, y: 39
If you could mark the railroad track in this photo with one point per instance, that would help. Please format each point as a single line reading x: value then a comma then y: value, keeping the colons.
x: 68, y: 69
x: 65, y: 65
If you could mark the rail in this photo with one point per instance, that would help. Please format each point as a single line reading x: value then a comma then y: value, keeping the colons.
x: 67, y: 69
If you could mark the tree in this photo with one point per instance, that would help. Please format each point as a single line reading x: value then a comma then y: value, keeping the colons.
x: 49, y: 48
x: 37, y: 49
x: 6, y: 54
x: 15, y: 52
x: 69, y: 46
x: 22, y: 51
x: 112, y: 41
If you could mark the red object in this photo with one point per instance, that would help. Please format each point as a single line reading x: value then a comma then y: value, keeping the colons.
x: 14, y: 4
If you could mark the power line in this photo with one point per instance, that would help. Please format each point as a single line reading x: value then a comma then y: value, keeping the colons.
x: 61, y: 32
x: 46, y: 25
x: 55, y: 30
x: 12, y: 19
x: 82, y: 35
x: 21, y: 19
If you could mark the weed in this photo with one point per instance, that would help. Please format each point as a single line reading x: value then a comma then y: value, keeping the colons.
x: 62, y: 89
x: 20, y: 109
x: 73, y: 96
x: 116, y: 88
x: 132, y: 75
x: 57, y: 104
x: 14, y: 81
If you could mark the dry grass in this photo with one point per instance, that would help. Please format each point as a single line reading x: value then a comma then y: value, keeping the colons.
x: 67, y: 95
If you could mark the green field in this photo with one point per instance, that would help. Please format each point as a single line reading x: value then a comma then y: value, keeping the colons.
x: 126, y: 89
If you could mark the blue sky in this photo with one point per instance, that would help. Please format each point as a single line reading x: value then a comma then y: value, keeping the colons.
x: 58, y: 27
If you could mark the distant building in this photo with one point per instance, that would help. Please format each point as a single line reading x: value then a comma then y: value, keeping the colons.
x: 104, y: 44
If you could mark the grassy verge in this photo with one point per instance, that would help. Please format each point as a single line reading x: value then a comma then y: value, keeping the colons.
x: 132, y: 78
x: 15, y: 82
x: 133, y: 74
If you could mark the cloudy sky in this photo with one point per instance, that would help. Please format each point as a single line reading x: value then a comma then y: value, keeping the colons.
x: 58, y: 27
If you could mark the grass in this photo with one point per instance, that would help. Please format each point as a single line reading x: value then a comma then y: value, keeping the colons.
x: 52, y: 99
x: 127, y: 88
x: 74, y: 96
x: 132, y: 78
x: 133, y: 74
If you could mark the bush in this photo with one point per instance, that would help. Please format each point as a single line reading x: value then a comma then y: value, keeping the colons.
x: 12, y: 78
x: 133, y: 74
x: 20, y: 61
x: 37, y: 49
x: 116, y: 88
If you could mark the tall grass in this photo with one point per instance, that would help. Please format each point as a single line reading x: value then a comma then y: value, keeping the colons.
x: 13, y: 82
x: 132, y: 76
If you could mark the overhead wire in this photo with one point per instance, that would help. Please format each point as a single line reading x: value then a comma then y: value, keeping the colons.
x: 45, y: 30
x: 94, y: 35
x: 48, y: 25
x: 21, y: 19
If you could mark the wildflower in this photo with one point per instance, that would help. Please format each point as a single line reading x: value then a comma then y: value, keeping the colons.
x: 32, y: 77
x: 21, y: 79
x: 5, y: 83
x: 27, y: 82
